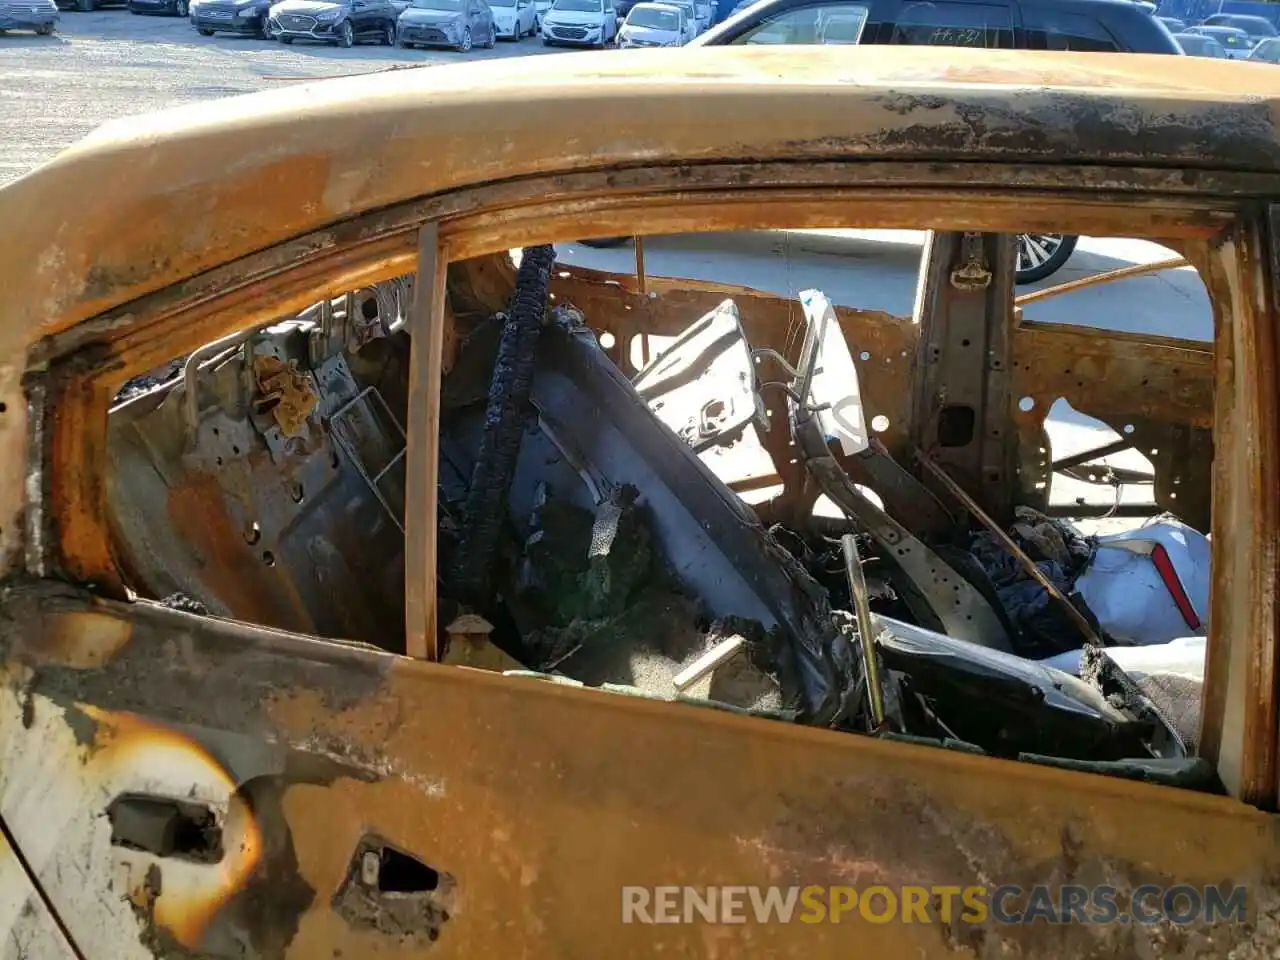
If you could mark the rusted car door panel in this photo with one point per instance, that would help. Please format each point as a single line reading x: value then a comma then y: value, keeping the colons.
x: 528, y: 805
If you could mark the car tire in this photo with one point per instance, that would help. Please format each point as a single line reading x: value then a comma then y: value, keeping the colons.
x: 286, y: 40
x: 389, y: 35
x: 493, y: 39
x: 465, y: 45
x: 605, y: 242
x: 180, y: 9
x: 264, y: 29
x: 346, y: 35
x: 45, y: 30
x: 1040, y: 255
x: 204, y: 31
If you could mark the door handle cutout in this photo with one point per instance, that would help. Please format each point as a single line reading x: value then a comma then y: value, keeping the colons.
x: 166, y: 827
x: 392, y: 892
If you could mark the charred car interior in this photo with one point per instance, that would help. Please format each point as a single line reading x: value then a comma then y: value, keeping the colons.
x: 647, y: 521
x: 385, y: 575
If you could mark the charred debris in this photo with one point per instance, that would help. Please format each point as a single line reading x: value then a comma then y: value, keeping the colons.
x: 585, y: 541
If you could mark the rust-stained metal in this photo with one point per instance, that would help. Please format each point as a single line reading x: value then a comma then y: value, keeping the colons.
x: 422, y: 492
x: 709, y: 798
x: 641, y: 285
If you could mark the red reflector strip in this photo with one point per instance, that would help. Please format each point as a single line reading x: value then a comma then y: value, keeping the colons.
x: 1164, y: 566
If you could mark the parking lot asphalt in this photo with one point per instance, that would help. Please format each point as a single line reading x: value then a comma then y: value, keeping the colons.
x: 110, y: 63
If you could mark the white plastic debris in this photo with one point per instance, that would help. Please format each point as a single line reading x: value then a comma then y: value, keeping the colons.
x: 1183, y: 657
x: 1151, y: 584
x: 835, y: 378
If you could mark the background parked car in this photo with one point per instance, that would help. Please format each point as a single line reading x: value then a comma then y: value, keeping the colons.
x: 340, y: 22
x: 690, y: 11
x: 653, y: 25
x: 580, y: 23
x: 1173, y: 23
x: 241, y: 17
x: 540, y: 8
x: 40, y: 16
x: 1258, y: 28
x: 175, y: 8
x: 1268, y: 51
x: 1235, y: 41
x: 1089, y: 25
x: 514, y: 19
x: 447, y: 23
x: 1198, y: 45
x: 87, y: 6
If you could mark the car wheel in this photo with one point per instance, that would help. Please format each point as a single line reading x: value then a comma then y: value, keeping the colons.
x: 346, y: 35
x: 180, y: 8
x: 286, y: 40
x: 389, y: 35
x: 1042, y: 254
x: 605, y: 241
x: 264, y: 29
x: 204, y: 32
x: 493, y: 38
x: 45, y: 29
x: 465, y: 45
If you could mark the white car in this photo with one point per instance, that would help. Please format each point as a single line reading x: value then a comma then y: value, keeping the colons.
x: 540, y: 8
x: 690, y: 11
x: 580, y: 23
x: 704, y: 9
x: 653, y: 25
x: 514, y: 19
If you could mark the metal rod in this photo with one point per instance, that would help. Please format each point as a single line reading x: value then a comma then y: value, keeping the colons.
x: 713, y: 659
x: 640, y: 282
x: 1019, y: 554
x: 191, y: 374
x: 1079, y: 459
x: 1124, y: 273
x: 866, y: 630
x: 422, y: 466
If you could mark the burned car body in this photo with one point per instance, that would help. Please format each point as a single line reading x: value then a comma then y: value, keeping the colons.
x: 275, y: 476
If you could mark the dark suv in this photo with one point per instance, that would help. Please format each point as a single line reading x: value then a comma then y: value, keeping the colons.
x: 1115, y: 26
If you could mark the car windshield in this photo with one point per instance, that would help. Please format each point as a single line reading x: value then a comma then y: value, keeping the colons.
x: 1194, y: 45
x: 450, y: 5
x: 579, y: 6
x: 842, y: 30
x: 1268, y: 50
x: 1259, y: 28
x: 1227, y: 36
x: 653, y: 17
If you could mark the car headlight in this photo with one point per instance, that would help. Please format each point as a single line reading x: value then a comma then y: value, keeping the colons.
x: 328, y: 16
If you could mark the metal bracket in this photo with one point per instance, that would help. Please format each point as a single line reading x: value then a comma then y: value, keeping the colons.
x: 973, y: 274
x: 939, y: 594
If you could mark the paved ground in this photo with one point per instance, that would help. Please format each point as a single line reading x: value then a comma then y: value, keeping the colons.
x: 109, y: 64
